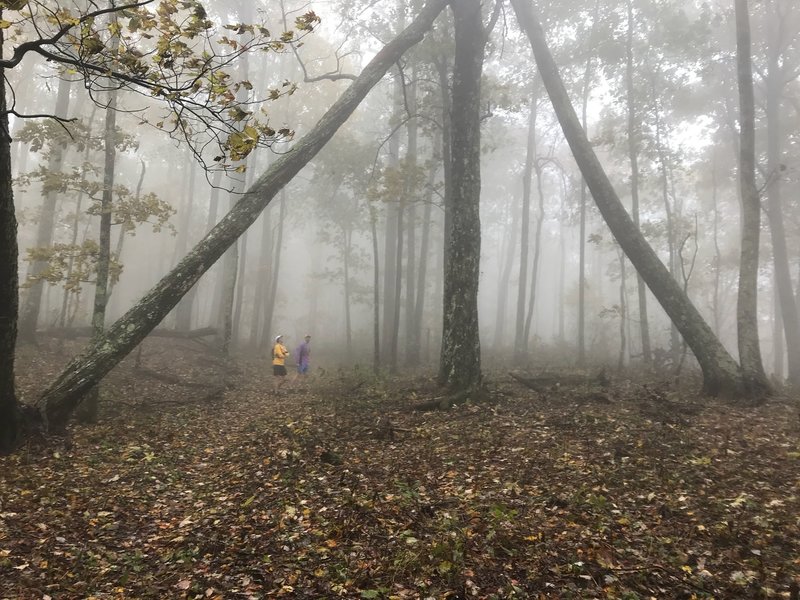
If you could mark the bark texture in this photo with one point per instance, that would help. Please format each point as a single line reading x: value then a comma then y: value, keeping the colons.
x: 754, y: 378
x: 788, y: 315
x: 720, y: 372
x: 59, y: 399
x: 460, y: 361
x: 9, y: 420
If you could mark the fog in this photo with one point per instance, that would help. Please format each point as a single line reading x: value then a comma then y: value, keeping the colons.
x: 307, y: 266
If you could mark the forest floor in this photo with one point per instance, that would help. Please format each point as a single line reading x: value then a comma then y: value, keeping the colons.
x: 338, y: 490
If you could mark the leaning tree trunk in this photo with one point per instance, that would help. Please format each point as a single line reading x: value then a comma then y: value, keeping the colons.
x: 754, y: 378
x: 9, y: 409
x: 59, y: 399
x: 720, y: 372
x: 460, y: 366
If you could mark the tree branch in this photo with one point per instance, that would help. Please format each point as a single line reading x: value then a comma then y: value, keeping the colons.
x: 37, y: 45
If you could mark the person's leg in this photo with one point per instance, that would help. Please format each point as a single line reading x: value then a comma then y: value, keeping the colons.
x: 276, y: 378
x: 281, y: 377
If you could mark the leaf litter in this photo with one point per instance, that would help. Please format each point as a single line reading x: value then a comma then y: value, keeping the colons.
x: 340, y: 490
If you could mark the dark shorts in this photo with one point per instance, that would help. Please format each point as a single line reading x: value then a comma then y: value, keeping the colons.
x: 302, y: 369
x: 279, y: 370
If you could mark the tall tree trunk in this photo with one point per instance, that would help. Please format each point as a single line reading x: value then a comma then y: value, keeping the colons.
x: 780, y: 253
x: 633, y: 155
x: 31, y: 307
x: 623, y: 312
x: 376, y: 299
x: 397, y: 289
x: 65, y: 298
x: 392, y: 236
x: 240, y: 281
x: 587, y: 72
x: 460, y: 363
x: 755, y: 380
x: 9, y: 409
x: 562, y: 245
x: 443, y: 72
x: 347, y: 236
x: 537, y: 251
x: 720, y: 372
x: 227, y: 282
x: 520, y: 342
x: 263, y: 278
x: 185, y: 310
x: 664, y: 170
x: 411, y: 226
x: 90, y: 406
x: 717, y: 251
x: 505, y: 278
x: 778, y: 354
x: 213, y: 210
x: 117, y: 255
x: 269, y: 309
x: 415, y: 354
x: 59, y: 399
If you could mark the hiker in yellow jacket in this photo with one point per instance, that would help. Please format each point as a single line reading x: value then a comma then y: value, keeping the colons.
x: 279, y: 354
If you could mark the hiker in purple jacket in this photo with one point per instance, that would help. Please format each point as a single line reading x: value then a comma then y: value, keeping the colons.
x: 303, y: 355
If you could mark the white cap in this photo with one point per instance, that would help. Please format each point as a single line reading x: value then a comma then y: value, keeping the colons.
x: 277, y: 337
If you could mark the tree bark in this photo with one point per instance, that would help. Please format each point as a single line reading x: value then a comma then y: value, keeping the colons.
x: 460, y: 363
x: 754, y: 378
x: 90, y: 406
x: 59, y: 399
x: 9, y: 409
x: 780, y: 253
x: 720, y: 372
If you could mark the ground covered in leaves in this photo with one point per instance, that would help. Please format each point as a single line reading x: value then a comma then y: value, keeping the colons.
x: 339, y: 490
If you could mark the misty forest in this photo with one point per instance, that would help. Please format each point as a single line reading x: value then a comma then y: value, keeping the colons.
x: 399, y: 299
